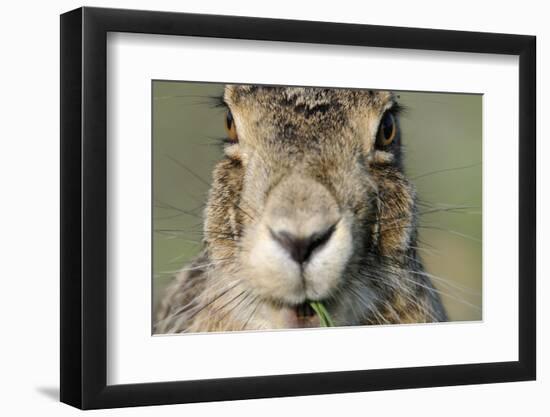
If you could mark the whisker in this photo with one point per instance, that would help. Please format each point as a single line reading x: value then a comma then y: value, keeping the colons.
x: 252, y: 314
x: 189, y: 170
x: 439, y: 171
x: 434, y: 290
x: 192, y: 304
x: 447, y: 282
x: 232, y: 309
x: 454, y: 232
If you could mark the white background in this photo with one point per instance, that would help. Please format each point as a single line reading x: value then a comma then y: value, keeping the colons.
x: 133, y: 60
x: 30, y: 204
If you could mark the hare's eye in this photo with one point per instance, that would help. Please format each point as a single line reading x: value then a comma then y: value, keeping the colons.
x: 230, y: 128
x: 386, y: 131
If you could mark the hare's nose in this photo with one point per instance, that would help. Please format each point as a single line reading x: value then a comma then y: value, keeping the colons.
x: 301, y: 248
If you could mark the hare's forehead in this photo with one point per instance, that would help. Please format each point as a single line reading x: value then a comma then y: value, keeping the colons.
x: 307, y: 100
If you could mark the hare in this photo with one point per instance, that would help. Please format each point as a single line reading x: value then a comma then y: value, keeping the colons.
x: 310, y: 203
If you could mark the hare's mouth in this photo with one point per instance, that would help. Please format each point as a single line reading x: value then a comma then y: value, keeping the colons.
x: 304, y: 316
x: 304, y: 311
x: 297, y: 315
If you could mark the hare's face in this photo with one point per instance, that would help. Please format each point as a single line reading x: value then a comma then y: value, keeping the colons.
x: 310, y: 202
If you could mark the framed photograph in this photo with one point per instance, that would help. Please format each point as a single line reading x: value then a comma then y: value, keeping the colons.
x: 258, y: 208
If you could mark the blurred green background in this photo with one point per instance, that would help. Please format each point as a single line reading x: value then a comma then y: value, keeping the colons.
x: 442, y: 139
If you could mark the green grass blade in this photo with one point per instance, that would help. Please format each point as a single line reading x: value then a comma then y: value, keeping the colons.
x: 321, y: 311
x: 328, y: 319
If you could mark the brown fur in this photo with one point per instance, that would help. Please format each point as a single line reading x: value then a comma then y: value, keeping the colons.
x: 306, y: 159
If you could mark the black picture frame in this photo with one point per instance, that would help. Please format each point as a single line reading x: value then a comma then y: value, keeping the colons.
x: 84, y: 207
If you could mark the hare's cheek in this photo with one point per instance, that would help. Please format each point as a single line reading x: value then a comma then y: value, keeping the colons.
x: 238, y: 152
x: 232, y: 151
